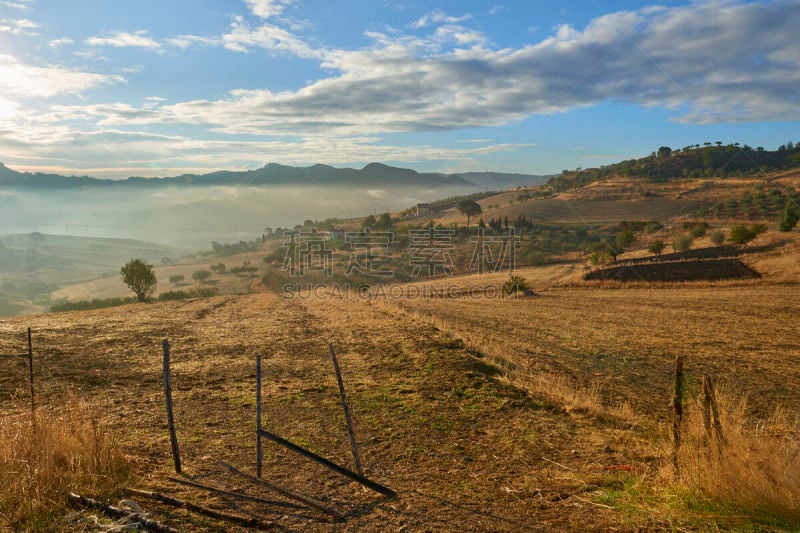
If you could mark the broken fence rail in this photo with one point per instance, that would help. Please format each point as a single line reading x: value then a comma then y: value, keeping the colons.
x: 285, y: 492
x: 377, y: 487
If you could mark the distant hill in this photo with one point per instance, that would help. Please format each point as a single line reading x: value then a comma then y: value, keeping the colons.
x: 373, y: 174
x: 498, y: 181
x: 692, y: 161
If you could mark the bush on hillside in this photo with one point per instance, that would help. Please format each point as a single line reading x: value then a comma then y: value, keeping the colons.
x: 515, y: 284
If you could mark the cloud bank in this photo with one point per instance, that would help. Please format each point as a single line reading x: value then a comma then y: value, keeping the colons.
x: 717, y: 61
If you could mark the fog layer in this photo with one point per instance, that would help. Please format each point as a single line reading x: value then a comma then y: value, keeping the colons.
x: 192, y: 217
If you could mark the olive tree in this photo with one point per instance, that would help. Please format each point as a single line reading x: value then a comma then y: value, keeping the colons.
x: 469, y: 208
x: 139, y: 277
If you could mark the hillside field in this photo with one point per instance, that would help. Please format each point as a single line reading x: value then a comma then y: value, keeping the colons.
x: 450, y: 400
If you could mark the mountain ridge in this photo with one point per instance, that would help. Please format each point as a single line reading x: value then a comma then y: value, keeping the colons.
x: 372, y: 174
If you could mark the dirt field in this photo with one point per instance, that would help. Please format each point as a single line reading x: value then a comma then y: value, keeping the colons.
x: 435, y: 421
x: 465, y: 451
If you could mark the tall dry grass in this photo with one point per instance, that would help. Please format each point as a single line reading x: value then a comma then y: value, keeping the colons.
x: 69, y: 450
x: 756, y: 470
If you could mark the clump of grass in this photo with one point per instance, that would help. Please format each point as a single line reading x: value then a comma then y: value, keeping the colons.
x: 70, y: 450
x: 756, y: 469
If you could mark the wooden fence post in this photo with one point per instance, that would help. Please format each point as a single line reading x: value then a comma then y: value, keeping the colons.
x: 176, y: 456
x: 259, y: 457
x: 716, y: 423
x: 706, y: 408
x: 677, y: 413
x: 30, y: 374
x: 347, y: 418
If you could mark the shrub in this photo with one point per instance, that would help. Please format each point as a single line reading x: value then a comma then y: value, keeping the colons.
x: 202, y: 292
x: 201, y: 275
x: 652, y: 226
x: 219, y: 268
x: 177, y: 278
x: 698, y: 230
x: 682, y: 243
x: 597, y: 257
x: 717, y: 237
x: 86, y: 305
x: 789, y: 217
x: 515, y: 284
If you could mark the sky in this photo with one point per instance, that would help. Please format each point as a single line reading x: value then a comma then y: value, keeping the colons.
x: 145, y: 88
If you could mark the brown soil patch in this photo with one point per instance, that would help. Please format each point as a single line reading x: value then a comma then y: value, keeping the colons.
x: 690, y: 270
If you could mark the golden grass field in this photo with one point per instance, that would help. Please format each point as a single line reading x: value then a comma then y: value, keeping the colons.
x: 544, y: 413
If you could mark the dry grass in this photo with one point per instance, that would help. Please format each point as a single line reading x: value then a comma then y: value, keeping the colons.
x: 69, y: 450
x: 756, y: 470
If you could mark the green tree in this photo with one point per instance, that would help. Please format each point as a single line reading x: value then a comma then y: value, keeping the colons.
x: 717, y: 237
x: 368, y: 222
x: 789, y: 217
x: 177, y: 278
x: 469, y: 208
x: 682, y: 243
x: 201, y: 275
x: 656, y: 247
x: 139, y: 277
x: 624, y: 238
x: 384, y: 223
x: 664, y: 152
x: 742, y: 233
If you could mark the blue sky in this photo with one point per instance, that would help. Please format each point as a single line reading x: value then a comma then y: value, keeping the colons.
x: 161, y: 88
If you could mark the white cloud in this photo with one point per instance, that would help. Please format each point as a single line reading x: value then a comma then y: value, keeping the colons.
x: 19, y: 4
x: 18, y: 26
x: 185, y: 41
x: 9, y: 110
x: 720, y: 68
x: 121, y: 39
x: 28, y: 81
x: 55, y: 43
x: 437, y: 16
x: 267, y: 8
x: 242, y: 38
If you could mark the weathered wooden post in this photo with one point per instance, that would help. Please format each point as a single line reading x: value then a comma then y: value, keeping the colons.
x: 347, y: 418
x: 30, y: 374
x: 716, y: 423
x: 677, y: 414
x: 176, y: 457
x: 258, y: 417
x: 706, y: 408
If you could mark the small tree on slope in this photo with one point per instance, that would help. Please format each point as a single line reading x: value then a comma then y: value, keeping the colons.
x: 139, y: 277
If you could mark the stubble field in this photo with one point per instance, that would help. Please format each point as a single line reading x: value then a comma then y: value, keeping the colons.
x: 442, y: 389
